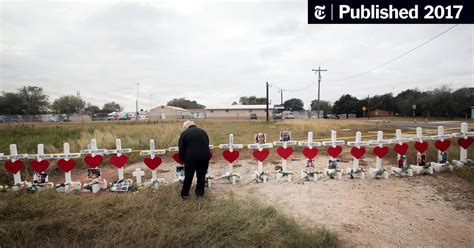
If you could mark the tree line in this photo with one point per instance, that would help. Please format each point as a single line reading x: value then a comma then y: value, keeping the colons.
x: 439, y: 102
x: 31, y: 100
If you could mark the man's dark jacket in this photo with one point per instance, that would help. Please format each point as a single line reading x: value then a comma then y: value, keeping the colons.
x: 194, y: 145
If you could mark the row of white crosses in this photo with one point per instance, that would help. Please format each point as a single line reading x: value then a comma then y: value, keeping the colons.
x: 231, y: 154
x: 14, y: 164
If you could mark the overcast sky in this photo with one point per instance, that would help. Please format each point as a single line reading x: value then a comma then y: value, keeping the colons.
x: 216, y: 52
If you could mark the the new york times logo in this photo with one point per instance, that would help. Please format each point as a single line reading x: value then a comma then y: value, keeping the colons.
x: 390, y: 11
x: 319, y: 12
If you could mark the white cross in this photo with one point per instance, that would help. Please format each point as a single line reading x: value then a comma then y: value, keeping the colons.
x: 93, y: 150
x: 463, y: 134
x: 399, y: 139
x: 119, y: 151
x: 39, y: 157
x: 309, y: 143
x: 284, y: 144
x: 66, y: 155
x: 231, y: 147
x: 152, y: 152
x: 334, y: 142
x: 14, y: 156
x: 138, y: 174
x: 357, y: 143
x: 379, y: 142
x: 259, y: 147
x: 441, y: 136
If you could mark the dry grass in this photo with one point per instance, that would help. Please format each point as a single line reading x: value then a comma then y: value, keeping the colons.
x: 148, y: 219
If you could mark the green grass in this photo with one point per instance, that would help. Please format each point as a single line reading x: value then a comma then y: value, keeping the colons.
x: 148, y: 219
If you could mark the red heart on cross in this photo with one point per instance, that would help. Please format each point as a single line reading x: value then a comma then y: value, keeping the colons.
x: 285, y: 153
x: 442, y: 145
x: 310, y: 153
x: 381, y: 151
x: 465, y: 142
x: 401, y: 148
x: 13, y: 167
x: 261, y: 155
x: 358, y: 152
x: 39, y: 166
x: 118, y: 161
x: 176, y: 158
x: 66, y: 166
x: 421, y: 147
x: 93, y: 162
x: 230, y: 156
x: 153, y: 163
x: 334, y: 151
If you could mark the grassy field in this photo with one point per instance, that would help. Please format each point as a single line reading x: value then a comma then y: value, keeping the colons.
x: 136, y: 135
x: 148, y: 219
x: 160, y: 218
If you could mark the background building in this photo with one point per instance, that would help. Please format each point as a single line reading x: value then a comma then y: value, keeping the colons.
x: 169, y: 112
x: 238, y: 112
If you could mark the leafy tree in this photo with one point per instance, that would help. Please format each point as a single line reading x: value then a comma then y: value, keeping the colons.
x: 347, y: 104
x: 325, y: 106
x: 462, y: 99
x: 185, y: 103
x: 111, y: 107
x: 10, y: 103
x: 68, y: 105
x: 33, y: 100
x: 252, y: 100
x: 91, y: 109
x: 235, y: 103
x: 294, y: 104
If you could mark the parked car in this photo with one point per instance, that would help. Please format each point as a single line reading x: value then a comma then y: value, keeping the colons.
x: 277, y: 116
x: 253, y: 116
x: 288, y: 115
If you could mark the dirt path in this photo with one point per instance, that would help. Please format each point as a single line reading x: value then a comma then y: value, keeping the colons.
x: 418, y: 211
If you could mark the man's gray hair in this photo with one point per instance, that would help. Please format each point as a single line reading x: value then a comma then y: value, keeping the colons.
x: 188, y: 123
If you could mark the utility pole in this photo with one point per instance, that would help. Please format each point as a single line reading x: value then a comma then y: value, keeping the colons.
x: 319, y: 70
x: 368, y: 106
x: 267, y: 100
x: 281, y: 95
x: 136, y: 103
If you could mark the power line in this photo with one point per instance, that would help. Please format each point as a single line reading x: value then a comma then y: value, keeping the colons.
x: 396, y: 58
x: 376, y: 67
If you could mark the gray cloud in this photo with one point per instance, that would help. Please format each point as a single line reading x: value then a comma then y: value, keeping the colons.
x: 215, y: 52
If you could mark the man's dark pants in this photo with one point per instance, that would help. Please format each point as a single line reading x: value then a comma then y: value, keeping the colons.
x: 200, y: 167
